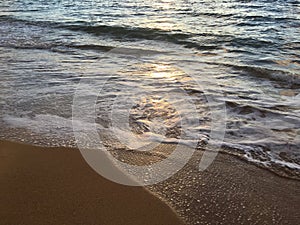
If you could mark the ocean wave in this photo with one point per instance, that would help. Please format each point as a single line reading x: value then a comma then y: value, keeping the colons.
x: 292, y: 80
x: 122, y: 33
x: 201, y: 41
x: 117, y: 32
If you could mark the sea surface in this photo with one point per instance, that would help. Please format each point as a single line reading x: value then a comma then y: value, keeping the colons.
x: 143, y: 61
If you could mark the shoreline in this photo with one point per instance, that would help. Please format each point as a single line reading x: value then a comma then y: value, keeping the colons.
x: 54, y: 185
x: 41, y: 185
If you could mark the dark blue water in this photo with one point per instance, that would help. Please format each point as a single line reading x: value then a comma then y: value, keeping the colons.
x: 245, y: 54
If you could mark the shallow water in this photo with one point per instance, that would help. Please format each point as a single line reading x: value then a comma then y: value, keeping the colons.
x: 143, y: 61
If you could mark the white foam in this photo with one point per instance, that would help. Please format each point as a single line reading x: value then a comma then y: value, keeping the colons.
x: 269, y: 157
x: 47, y: 123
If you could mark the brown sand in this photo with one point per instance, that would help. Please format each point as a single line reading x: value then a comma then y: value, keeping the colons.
x: 55, y: 186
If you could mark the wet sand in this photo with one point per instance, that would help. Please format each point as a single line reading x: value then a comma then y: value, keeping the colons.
x: 55, y: 186
x: 230, y: 191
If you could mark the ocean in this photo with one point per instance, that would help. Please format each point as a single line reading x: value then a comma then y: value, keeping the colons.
x: 138, y: 63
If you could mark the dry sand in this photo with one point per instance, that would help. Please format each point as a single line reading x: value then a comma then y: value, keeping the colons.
x: 56, y: 186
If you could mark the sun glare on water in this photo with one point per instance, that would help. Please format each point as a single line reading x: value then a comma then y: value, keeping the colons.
x: 164, y: 71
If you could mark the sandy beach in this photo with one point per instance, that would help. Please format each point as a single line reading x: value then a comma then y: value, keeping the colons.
x: 42, y: 185
x: 55, y: 186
